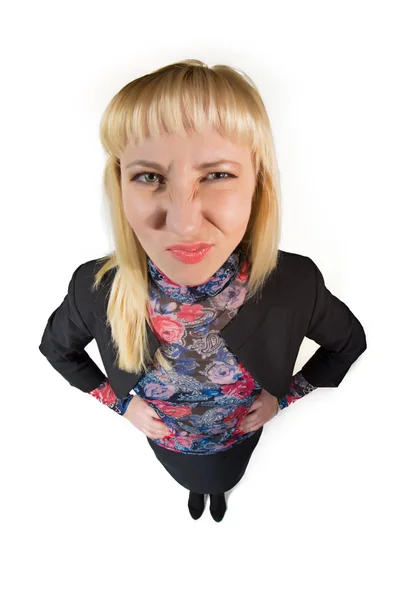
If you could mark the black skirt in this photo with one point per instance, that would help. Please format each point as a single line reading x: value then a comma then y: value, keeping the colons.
x: 208, y: 473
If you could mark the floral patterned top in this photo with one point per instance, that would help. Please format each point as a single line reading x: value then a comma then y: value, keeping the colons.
x: 208, y: 392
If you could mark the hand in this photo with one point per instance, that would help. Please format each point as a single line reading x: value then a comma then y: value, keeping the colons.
x: 262, y: 410
x: 145, y: 418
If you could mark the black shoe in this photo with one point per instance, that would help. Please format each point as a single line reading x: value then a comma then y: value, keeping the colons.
x: 217, y: 506
x: 196, y: 504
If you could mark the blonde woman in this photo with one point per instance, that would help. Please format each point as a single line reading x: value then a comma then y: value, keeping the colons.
x: 197, y: 314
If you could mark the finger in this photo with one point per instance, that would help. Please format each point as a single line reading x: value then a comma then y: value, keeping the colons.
x: 249, y: 424
x: 155, y: 419
x: 249, y: 421
x: 153, y: 433
x: 252, y: 428
x: 159, y: 425
x: 159, y: 434
x: 159, y: 428
x: 256, y: 404
x: 150, y: 411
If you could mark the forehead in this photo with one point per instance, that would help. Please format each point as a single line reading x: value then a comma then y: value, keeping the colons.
x: 196, y: 146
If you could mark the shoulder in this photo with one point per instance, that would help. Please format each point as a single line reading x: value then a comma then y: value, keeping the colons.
x: 91, y: 302
x: 293, y: 282
x: 297, y: 267
x: 85, y: 273
x: 292, y: 260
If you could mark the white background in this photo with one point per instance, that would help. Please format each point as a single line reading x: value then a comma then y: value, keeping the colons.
x: 86, y: 509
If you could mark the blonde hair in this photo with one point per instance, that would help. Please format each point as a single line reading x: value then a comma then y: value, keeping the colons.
x: 175, y: 99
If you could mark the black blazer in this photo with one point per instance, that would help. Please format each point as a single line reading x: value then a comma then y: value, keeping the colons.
x: 265, y: 335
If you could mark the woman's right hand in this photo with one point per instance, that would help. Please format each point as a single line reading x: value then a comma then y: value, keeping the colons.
x: 145, y: 418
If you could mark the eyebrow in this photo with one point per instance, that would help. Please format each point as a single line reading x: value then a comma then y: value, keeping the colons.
x: 206, y: 165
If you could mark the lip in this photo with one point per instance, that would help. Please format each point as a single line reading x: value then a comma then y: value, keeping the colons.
x: 191, y: 257
x: 189, y: 247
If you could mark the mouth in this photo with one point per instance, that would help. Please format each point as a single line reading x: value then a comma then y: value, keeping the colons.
x: 191, y: 257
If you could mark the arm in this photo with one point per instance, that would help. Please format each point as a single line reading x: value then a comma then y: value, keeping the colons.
x: 339, y: 333
x: 341, y: 338
x: 63, y: 342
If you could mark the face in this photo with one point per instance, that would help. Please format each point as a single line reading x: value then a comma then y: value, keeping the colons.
x: 178, y: 201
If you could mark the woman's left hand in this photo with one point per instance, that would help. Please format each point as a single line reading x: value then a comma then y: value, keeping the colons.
x: 262, y: 410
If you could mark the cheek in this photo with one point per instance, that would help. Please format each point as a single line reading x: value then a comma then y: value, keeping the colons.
x: 137, y: 211
x: 230, y: 211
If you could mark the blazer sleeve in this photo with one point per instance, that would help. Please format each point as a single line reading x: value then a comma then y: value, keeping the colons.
x: 338, y: 332
x: 64, y: 339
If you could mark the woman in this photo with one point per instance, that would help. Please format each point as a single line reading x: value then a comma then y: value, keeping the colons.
x: 193, y: 358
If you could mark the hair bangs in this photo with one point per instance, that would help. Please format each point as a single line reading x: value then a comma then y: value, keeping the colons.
x: 181, y: 102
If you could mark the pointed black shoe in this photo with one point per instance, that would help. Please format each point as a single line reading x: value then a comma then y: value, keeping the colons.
x: 196, y: 504
x: 217, y: 506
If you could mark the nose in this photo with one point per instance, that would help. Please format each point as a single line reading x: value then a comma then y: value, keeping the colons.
x: 184, y: 212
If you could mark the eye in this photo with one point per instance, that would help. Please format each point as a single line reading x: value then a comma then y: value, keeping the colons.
x: 136, y: 177
x: 145, y: 173
x: 222, y: 173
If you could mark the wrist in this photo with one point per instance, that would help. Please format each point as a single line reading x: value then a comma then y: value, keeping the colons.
x: 122, y: 404
x: 282, y: 402
x: 106, y: 395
